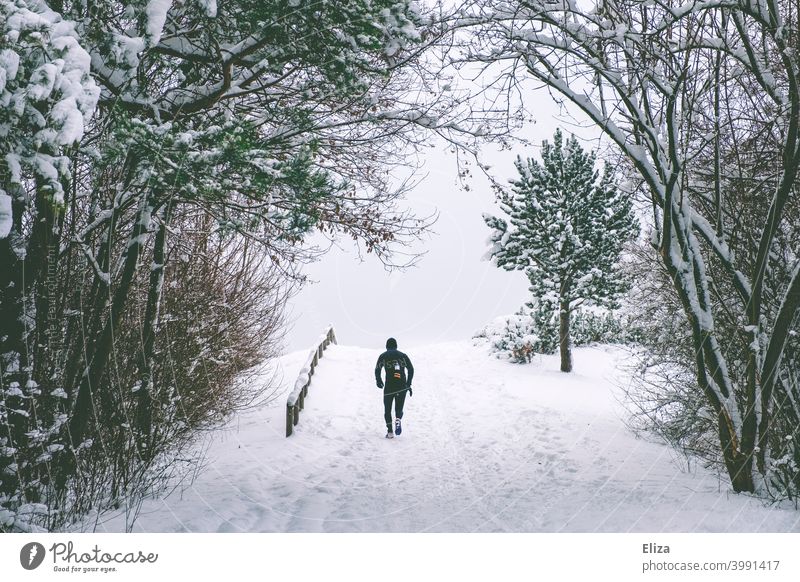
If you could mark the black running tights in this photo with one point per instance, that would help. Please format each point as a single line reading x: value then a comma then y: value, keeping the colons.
x: 399, y: 399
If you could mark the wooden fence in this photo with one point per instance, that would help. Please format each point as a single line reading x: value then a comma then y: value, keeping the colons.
x: 296, y: 401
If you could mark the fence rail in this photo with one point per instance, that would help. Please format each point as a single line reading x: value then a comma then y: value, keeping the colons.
x: 297, y: 399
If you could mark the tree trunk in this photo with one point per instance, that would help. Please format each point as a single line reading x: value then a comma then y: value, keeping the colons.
x: 151, y: 323
x: 563, y: 337
x: 99, y: 299
x: 44, y: 250
x: 738, y: 463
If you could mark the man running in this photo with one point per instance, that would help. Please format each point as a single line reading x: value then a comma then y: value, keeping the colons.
x: 395, y: 363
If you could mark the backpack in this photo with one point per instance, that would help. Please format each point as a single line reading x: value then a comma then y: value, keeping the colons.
x: 395, y: 370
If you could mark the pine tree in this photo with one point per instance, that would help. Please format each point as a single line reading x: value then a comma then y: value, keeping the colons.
x: 567, y: 227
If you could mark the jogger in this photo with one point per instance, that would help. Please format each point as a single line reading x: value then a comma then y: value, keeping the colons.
x: 395, y: 363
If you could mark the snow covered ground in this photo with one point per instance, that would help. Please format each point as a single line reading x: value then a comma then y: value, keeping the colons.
x: 487, y: 446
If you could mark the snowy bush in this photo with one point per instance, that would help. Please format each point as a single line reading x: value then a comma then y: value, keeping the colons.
x: 513, y: 336
x: 533, y: 330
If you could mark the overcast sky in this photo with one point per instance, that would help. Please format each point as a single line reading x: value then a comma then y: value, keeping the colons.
x: 451, y: 293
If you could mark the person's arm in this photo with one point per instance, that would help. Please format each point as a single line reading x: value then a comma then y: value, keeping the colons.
x: 378, y: 367
x: 410, y: 372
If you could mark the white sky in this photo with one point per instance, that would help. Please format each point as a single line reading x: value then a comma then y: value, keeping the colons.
x: 451, y: 293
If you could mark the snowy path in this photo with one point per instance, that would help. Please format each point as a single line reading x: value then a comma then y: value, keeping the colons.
x: 487, y: 446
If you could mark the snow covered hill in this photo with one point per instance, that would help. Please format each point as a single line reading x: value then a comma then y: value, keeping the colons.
x: 487, y: 446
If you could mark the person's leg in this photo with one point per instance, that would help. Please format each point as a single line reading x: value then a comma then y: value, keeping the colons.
x: 387, y: 410
x: 400, y: 399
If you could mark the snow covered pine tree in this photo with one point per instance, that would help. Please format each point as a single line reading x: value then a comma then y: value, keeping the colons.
x: 567, y: 228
